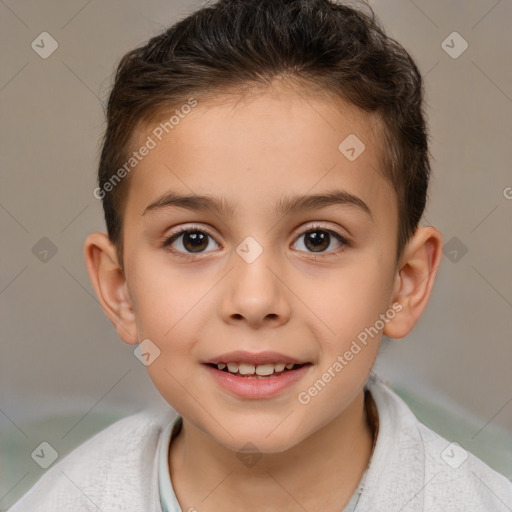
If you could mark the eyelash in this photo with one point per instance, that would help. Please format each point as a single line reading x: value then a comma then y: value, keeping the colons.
x: 189, y: 256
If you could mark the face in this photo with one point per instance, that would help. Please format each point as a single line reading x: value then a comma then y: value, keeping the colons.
x: 260, y: 268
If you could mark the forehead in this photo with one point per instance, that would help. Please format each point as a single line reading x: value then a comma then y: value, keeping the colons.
x: 252, y: 149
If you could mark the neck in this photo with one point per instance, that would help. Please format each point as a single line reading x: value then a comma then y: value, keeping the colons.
x: 209, y: 477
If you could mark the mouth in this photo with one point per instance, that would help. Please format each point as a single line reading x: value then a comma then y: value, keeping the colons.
x: 257, y: 371
x: 254, y: 381
x: 256, y: 375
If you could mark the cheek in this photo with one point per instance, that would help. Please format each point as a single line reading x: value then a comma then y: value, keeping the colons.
x: 349, y: 306
x: 163, y: 298
x: 349, y: 299
x: 166, y: 305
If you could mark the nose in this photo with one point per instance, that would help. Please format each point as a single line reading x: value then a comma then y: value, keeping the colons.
x: 254, y: 294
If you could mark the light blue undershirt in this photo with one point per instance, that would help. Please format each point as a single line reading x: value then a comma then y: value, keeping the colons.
x: 168, y: 498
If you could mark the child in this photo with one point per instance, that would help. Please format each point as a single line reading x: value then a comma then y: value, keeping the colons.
x: 263, y: 175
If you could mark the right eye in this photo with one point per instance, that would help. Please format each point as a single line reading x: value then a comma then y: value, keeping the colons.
x: 190, y: 240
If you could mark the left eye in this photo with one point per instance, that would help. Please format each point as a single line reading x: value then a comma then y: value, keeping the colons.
x: 318, y: 240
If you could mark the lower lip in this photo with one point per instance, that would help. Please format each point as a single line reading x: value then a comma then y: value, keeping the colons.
x: 253, y: 387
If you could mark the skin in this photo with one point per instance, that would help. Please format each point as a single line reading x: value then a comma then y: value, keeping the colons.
x: 252, y: 152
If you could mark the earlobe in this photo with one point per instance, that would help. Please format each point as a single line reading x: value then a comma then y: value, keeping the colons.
x: 107, y: 278
x: 414, y: 280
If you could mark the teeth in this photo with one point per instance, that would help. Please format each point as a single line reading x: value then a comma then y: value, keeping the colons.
x: 251, y: 369
x: 245, y: 369
x: 232, y: 367
x: 266, y: 369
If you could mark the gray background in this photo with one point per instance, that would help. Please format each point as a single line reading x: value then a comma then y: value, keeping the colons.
x: 59, y: 353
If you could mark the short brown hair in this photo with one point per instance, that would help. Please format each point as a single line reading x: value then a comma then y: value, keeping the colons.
x: 232, y: 45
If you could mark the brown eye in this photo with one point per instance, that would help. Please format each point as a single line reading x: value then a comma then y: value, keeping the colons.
x: 318, y: 240
x: 195, y: 241
x: 189, y: 241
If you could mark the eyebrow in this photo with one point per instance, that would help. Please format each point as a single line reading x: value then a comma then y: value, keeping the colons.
x: 284, y: 206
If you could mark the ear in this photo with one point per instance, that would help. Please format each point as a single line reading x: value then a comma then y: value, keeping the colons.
x: 107, y: 278
x: 416, y: 272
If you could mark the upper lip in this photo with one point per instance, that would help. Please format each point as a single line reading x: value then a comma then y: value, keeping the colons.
x: 242, y: 356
